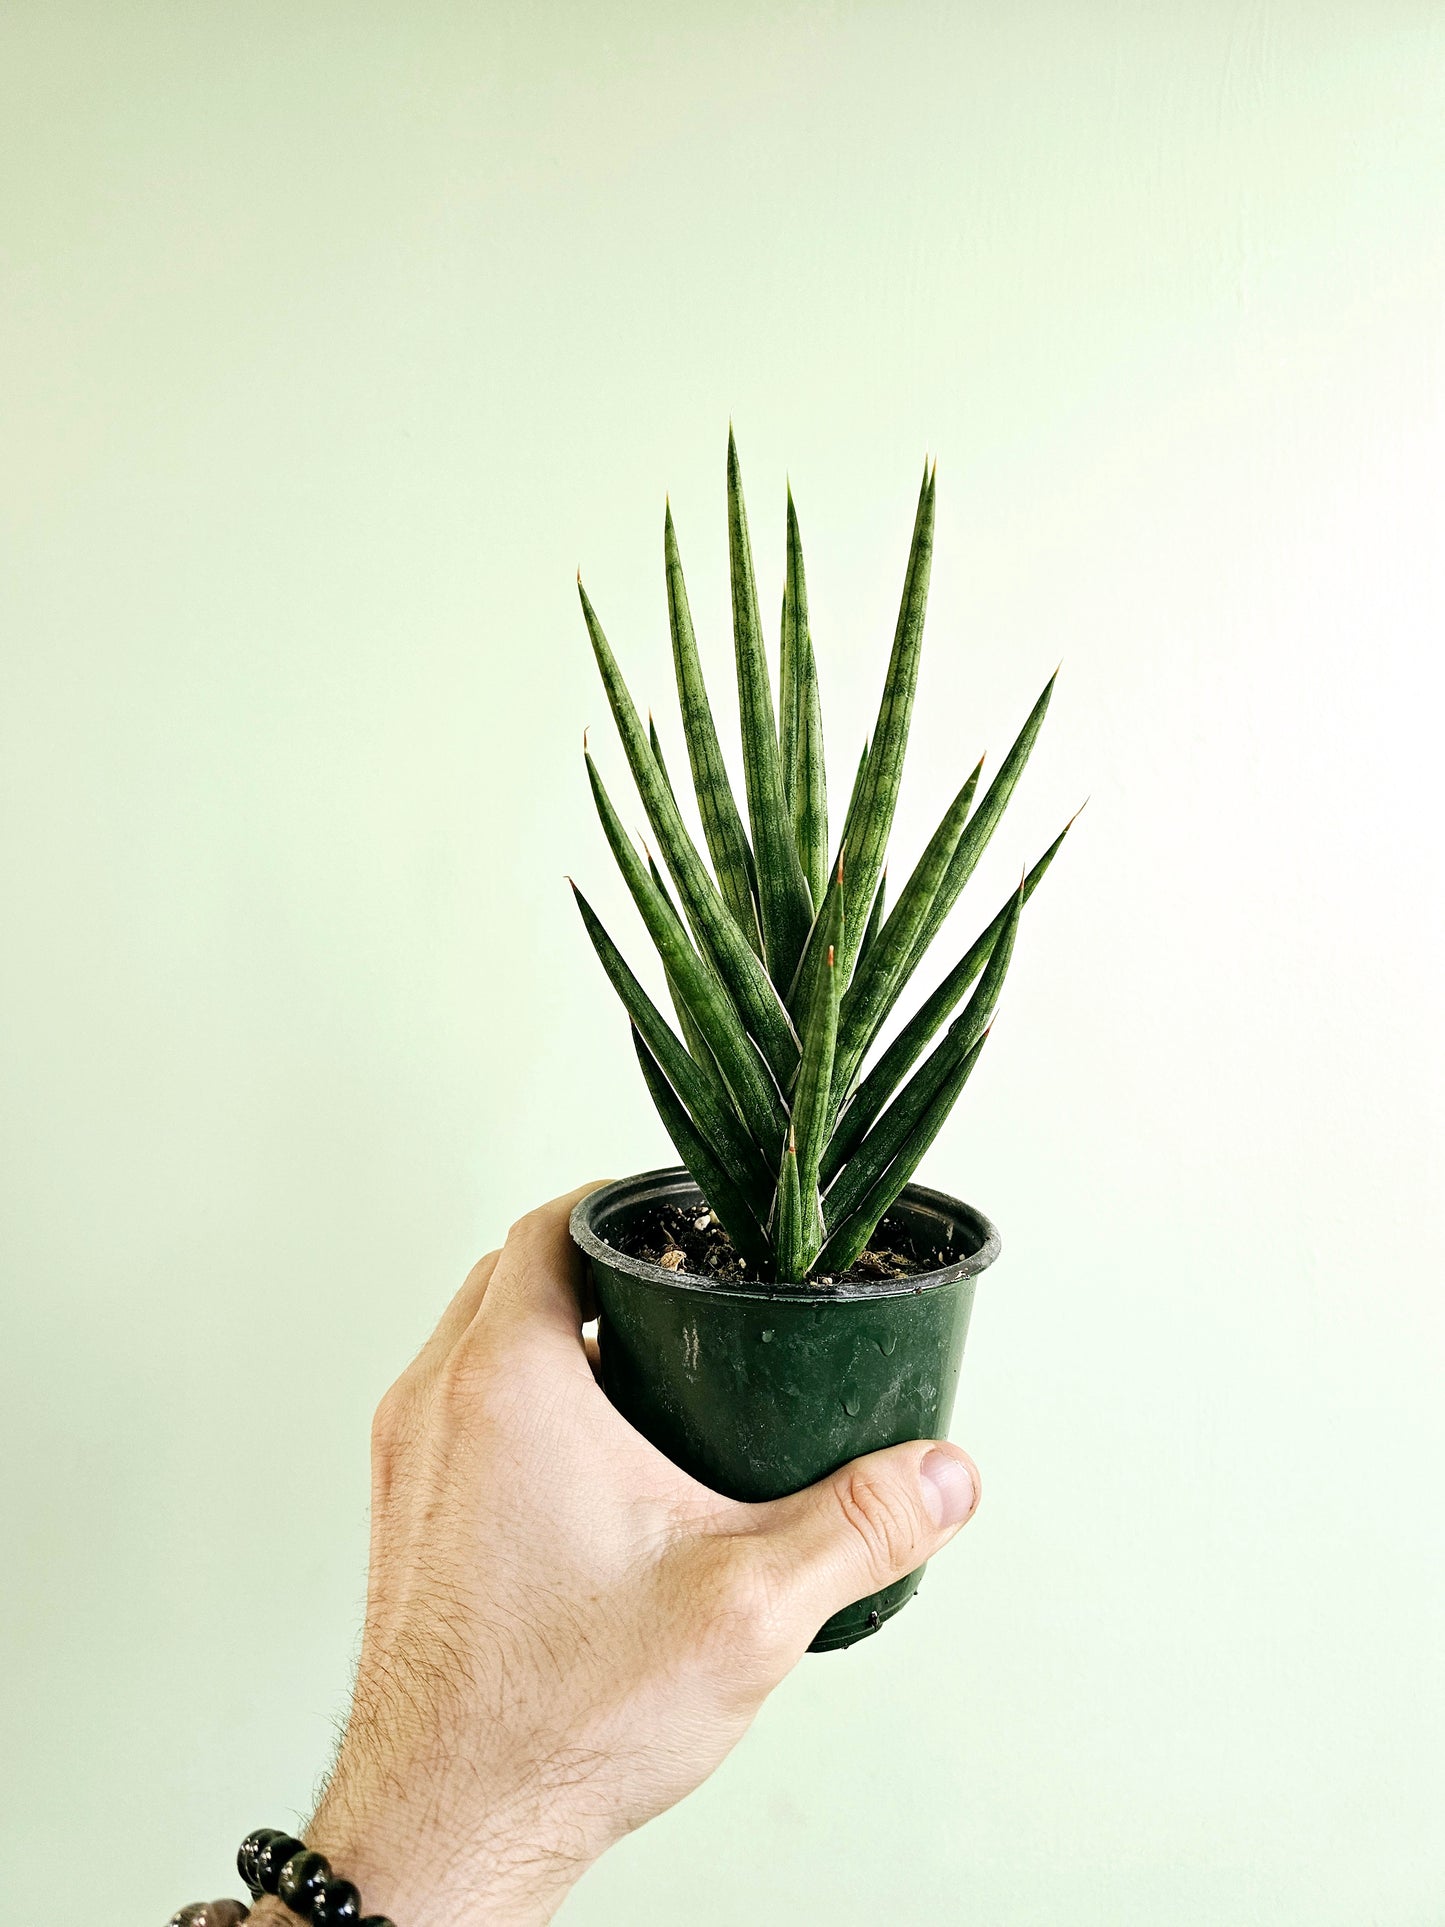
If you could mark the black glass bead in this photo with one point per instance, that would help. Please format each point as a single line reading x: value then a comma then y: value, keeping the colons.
x: 250, y: 1849
x: 273, y: 1857
x: 302, y: 1878
x: 211, y: 1913
x: 337, y: 1905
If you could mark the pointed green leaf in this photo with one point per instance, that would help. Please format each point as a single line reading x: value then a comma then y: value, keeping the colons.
x: 849, y: 1241
x: 800, y: 724
x: 810, y: 819
x: 728, y: 1204
x: 790, y: 716
x: 875, y: 918
x: 782, y: 891
x: 800, y: 991
x: 716, y: 930
x: 910, y: 1043
x: 790, y: 1243
x: 868, y: 835
x: 655, y: 744
x: 880, y: 976
x: 855, y: 798
x: 975, y: 839
x: 697, y: 1044
x: 746, y: 1075
x: 708, y: 1105
x: 812, y: 1095
x: 727, y: 840
x: 916, y: 1108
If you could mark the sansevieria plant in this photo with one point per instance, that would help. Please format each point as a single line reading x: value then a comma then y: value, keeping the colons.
x: 784, y: 961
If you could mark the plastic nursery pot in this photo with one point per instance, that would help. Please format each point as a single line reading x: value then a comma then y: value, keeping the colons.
x: 759, y: 1389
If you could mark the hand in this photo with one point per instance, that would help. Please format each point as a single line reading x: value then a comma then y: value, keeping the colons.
x: 564, y: 1633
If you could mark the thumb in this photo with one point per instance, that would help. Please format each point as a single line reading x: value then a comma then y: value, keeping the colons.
x: 868, y: 1523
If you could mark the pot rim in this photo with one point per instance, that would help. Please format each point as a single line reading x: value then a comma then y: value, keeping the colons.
x: 667, y: 1181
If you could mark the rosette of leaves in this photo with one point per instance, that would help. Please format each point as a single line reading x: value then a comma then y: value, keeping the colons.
x: 782, y: 958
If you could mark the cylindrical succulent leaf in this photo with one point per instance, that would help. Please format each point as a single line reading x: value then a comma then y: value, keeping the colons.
x: 707, y: 1102
x: 790, y: 1237
x: 883, y: 972
x: 729, y: 1205
x: 746, y: 1075
x: 913, y: 1119
x: 727, y: 840
x: 736, y: 963
x: 812, y: 1095
x: 782, y: 891
x: 869, y: 833
x: 910, y: 1043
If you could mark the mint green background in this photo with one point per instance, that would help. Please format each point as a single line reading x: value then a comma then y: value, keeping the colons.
x: 334, y: 337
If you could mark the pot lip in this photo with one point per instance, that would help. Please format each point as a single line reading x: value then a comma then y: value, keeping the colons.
x: 669, y: 1179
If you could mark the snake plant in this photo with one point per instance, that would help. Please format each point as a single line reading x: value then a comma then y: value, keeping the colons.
x: 783, y: 961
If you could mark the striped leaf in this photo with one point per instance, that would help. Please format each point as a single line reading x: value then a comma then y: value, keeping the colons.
x: 728, y: 1204
x: 800, y: 991
x: 812, y: 1096
x: 800, y: 724
x: 910, y: 1043
x: 727, y: 840
x: 697, y: 1044
x: 975, y: 839
x: 875, y: 918
x: 746, y: 981
x: 708, y: 1105
x: 916, y: 1108
x: 782, y: 891
x: 790, y: 1239
x: 654, y: 743
x: 850, y: 1240
x: 882, y: 974
x: 868, y: 835
x: 746, y: 1075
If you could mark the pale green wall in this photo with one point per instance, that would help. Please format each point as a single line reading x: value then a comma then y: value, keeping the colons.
x: 335, y: 337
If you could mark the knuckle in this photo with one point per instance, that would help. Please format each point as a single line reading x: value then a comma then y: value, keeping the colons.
x: 743, y: 1606
x: 883, y: 1516
x: 461, y: 1380
x: 388, y: 1421
x: 526, y: 1227
x: 392, y: 1425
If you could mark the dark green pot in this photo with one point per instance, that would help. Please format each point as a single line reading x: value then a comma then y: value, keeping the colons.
x: 758, y: 1390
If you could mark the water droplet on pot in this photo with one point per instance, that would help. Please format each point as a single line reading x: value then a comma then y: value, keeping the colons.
x: 852, y: 1404
x: 767, y: 1338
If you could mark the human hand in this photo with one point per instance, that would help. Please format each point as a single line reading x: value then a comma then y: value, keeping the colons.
x: 565, y: 1633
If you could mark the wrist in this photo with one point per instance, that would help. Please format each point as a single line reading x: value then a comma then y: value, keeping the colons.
x: 509, y: 1874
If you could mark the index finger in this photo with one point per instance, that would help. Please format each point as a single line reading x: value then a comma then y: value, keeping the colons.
x: 541, y: 1277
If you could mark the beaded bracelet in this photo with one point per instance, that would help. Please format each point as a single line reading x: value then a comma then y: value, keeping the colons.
x: 271, y: 1861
